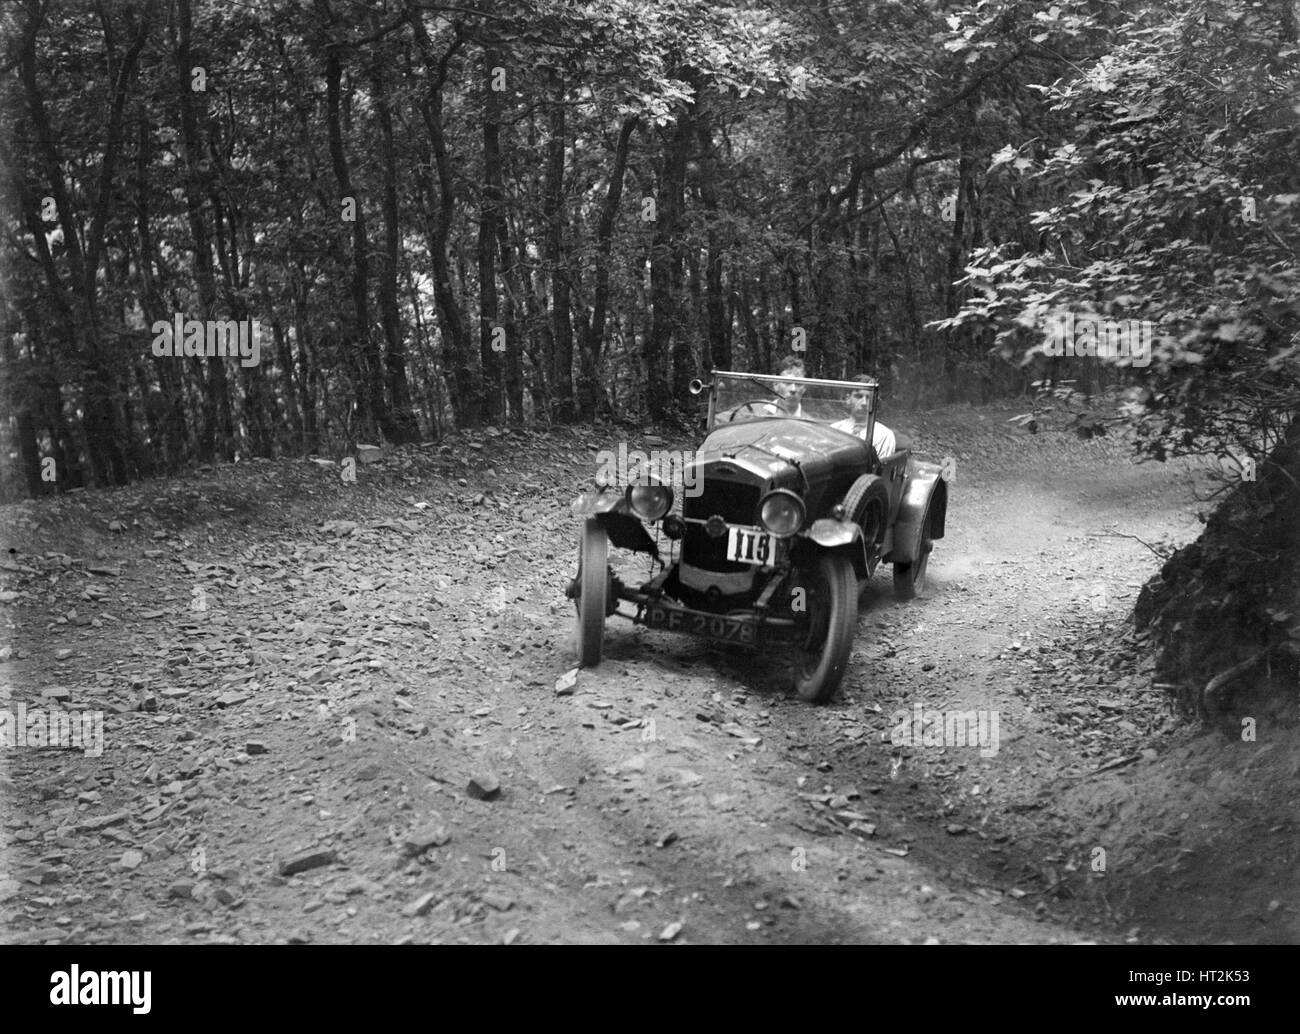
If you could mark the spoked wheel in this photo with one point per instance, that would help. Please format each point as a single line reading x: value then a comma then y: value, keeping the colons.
x: 909, y: 578
x: 832, y: 601
x: 867, y: 505
x: 593, y: 592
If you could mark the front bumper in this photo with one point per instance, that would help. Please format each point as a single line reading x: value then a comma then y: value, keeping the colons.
x: 748, y: 626
x: 743, y: 628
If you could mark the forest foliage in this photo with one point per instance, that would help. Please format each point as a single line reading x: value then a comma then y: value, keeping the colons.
x: 438, y: 216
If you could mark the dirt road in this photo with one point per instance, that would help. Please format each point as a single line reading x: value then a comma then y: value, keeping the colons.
x: 330, y: 715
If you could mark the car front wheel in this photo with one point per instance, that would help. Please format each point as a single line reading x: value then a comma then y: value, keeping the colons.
x: 832, y: 601
x: 593, y: 592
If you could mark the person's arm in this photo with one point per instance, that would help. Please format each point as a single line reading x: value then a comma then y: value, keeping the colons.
x: 883, y: 441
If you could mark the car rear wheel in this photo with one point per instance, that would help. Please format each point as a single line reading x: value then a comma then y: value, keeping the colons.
x: 909, y: 578
x: 832, y: 602
x: 593, y: 592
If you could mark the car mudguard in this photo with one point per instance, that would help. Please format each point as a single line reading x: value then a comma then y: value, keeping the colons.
x: 839, y: 536
x: 925, y: 489
x: 601, y: 500
x: 609, y: 507
x: 829, y: 532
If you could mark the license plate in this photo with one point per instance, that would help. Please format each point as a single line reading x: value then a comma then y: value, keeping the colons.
x: 751, y: 547
x: 714, y: 626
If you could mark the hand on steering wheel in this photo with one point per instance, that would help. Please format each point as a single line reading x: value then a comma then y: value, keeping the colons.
x: 750, y: 406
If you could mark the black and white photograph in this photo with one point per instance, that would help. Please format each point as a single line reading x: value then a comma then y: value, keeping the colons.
x: 651, y: 473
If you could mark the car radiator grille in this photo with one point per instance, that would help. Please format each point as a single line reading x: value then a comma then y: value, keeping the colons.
x: 735, y: 504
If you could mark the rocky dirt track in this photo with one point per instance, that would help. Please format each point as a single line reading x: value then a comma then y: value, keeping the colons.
x: 330, y: 714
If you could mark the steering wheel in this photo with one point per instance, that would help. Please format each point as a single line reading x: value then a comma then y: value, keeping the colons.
x: 737, y: 410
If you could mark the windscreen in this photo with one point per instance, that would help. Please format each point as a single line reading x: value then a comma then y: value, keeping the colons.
x: 741, y: 397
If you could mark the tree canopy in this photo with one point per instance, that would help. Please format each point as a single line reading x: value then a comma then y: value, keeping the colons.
x: 445, y: 215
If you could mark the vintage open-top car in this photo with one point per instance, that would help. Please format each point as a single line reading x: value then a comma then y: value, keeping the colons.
x: 784, y: 511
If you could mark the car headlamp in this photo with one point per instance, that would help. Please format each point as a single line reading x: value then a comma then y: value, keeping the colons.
x: 781, y: 513
x: 650, y: 502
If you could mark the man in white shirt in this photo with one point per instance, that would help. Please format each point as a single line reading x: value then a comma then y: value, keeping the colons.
x: 791, y: 394
x: 882, y: 438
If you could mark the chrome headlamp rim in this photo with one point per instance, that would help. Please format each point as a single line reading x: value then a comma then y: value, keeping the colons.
x: 799, y: 506
x: 662, y: 494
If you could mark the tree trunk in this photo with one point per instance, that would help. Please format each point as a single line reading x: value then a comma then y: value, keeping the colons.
x: 103, y: 438
x: 594, y: 332
x: 458, y: 350
x: 750, y: 326
x: 718, y: 326
x: 561, y: 316
x: 372, y: 406
x: 172, y: 430
x: 432, y: 382
x: 489, y: 336
x: 284, y: 355
x: 404, y: 425
x: 305, y: 373
x: 540, y: 342
x: 516, y: 294
x: 666, y: 277
x: 19, y: 399
x: 217, y: 434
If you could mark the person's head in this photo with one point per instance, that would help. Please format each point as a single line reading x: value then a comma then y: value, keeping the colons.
x: 860, y: 398
x: 790, y: 366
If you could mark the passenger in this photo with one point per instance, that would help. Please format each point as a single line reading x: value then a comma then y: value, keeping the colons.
x: 883, y: 440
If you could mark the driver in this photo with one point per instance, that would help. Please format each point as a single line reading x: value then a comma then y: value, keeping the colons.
x: 883, y: 439
x: 790, y: 403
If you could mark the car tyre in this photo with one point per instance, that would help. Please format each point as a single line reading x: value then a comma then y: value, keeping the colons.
x: 867, y: 506
x: 593, y: 592
x: 910, y: 577
x: 833, y: 618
